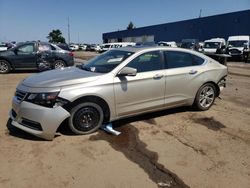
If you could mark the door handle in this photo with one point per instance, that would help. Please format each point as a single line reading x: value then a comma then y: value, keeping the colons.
x: 193, y: 72
x: 158, y: 76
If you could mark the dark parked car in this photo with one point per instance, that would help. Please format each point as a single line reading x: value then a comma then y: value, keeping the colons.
x: 64, y: 46
x: 90, y: 47
x: 190, y: 44
x: 35, y: 56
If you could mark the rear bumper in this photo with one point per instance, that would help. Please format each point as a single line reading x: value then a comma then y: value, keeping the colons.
x: 70, y: 61
x: 37, y: 120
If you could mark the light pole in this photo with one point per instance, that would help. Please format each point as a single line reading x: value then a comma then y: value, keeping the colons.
x: 68, y: 32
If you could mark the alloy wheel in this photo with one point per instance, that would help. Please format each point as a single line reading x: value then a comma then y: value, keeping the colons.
x: 207, y: 96
x: 59, y: 64
x: 4, y: 68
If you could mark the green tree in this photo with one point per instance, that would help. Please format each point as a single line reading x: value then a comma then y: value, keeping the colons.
x: 130, y: 26
x: 55, y: 36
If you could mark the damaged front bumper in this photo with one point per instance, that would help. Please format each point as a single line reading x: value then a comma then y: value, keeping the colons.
x: 37, y: 120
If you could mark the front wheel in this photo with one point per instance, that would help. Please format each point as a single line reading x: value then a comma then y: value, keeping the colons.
x: 59, y: 64
x: 4, y: 67
x: 86, y: 118
x: 205, y: 97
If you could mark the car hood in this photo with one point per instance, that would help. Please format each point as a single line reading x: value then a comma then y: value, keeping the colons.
x: 210, y: 50
x: 60, y: 77
x: 6, y: 53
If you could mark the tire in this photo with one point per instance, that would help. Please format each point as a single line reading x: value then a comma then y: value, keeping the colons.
x: 86, y: 118
x: 4, y: 67
x: 205, y: 97
x: 59, y: 64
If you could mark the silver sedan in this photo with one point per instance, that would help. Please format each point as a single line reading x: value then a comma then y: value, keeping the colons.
x: 117, y: 84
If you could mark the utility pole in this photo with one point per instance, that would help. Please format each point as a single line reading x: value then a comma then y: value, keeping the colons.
x: 200, y: 13
x: 78, y: 38
x: 68, y: 32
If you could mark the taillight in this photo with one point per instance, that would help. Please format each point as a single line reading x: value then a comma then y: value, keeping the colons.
x: 71, y: 54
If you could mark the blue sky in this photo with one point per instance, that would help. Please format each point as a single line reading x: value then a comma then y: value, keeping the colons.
x: 22, y: 20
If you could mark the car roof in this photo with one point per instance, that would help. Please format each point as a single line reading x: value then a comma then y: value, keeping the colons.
x: 142, y: 48
x: 135, y: 49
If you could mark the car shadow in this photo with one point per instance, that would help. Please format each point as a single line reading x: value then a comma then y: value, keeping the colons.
x: 64, y: 128
x: 23, y: 71
x: 147, y: 117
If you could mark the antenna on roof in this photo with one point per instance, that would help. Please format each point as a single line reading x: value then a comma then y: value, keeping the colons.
x: 200, y: 13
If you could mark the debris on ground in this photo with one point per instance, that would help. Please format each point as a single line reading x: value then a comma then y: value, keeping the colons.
x: 109, y: 128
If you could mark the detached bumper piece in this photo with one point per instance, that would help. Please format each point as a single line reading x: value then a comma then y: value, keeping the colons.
x: 109, y: 128
x: 222, y: 83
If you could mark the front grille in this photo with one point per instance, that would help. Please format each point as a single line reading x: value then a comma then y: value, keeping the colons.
x: 20, y: 95
x: 31, y: 124
x: 234, y: 51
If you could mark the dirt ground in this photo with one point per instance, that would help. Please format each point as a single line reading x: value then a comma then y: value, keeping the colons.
x: 171, y: 148
x: 84, y: 55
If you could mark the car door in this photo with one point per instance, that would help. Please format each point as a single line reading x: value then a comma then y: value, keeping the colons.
x: 145, y: 91
x: 47, y: 53
x: 183, y: 76
x: 25, y: 57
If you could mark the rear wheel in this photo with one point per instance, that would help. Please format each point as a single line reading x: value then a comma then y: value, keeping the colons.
x: 4, y: 67
x: 59, y: 64
x: 86, y: 118
x: 205, y: 97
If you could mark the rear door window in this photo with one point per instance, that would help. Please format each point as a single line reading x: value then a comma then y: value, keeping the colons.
x: 44, y: 47
x: 176, y: 59
x: 197, y: 60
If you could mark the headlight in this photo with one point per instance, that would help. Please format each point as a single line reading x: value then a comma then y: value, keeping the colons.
x: 45, y: 99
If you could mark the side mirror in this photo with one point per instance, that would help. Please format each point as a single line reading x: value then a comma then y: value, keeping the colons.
x: 127, y: 71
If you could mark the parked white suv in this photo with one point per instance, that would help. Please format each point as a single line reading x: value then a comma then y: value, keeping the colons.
x: 3, y: 47
x: 238, y: 46
x: 108, y: 46
x: 74, y: 47
x: 169, y: 43
x: 211, y: 45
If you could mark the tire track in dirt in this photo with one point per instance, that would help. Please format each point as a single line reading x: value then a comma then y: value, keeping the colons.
x: 215, y: 125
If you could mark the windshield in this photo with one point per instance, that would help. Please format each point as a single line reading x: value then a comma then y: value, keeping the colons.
x: 211, y: 45
x: 237, y: 43
x: 107, y: 61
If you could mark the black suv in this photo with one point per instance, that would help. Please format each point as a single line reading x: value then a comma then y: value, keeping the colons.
x: 35, y: 56
x: 190, y: 44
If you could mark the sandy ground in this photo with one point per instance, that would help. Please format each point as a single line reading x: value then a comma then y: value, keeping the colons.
x: 85, y: 55
x: 176, y: 148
